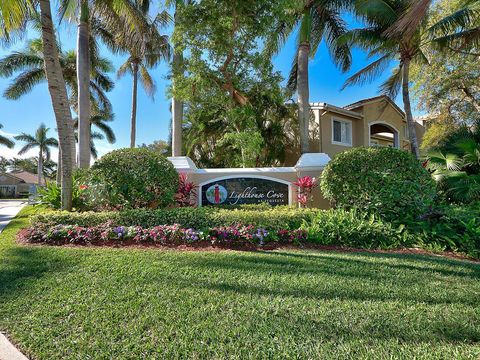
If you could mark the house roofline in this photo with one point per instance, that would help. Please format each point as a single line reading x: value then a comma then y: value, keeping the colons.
x: 335, y: 109
x: 12, y: 176
x: 364, y: 102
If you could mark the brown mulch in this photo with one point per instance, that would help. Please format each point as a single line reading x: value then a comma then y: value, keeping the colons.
x: 207, y: 246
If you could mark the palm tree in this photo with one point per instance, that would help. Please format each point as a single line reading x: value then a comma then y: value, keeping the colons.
x: 94, y: 18
x: 40, y: 140
x: 395, y: 30
x: 145, y: 50
x: 177, y: 104
x: 14, y: 15
x: 6, y: 141
x: 28, y: 63
x: 316, y: 21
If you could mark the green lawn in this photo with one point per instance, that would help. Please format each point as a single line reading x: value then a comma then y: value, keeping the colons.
x: 79, y: 303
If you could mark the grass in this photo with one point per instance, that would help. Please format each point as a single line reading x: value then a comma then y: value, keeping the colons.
x: 104, y: 303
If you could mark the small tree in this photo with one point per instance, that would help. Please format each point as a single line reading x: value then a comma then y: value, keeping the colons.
x: 43, y: 142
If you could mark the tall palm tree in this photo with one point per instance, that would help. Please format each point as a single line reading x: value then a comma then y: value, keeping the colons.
x: 6, y: 141
x: 316, y: 21
x: 98, y: 18
x: 145, y: 50
x: 40, y: 140
x: 14, y: 15
x: 177, y: 104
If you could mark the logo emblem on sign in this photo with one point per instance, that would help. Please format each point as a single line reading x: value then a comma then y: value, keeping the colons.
x: 216, y: 194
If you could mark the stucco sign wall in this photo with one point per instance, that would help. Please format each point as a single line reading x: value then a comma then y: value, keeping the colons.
x: 244, y: 190
x: 236, y: 186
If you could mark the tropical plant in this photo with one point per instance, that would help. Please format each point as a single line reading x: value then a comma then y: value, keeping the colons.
x: 51, y: 194
x: 43, y: 142
x: 456, y: 165
x: 5, y: 141
x: 315, y: 21
x: 146, y: 49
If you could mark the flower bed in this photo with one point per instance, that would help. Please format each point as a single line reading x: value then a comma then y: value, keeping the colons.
x: 237, y: 235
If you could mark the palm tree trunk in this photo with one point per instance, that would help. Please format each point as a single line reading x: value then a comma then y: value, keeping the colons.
x: 134, y: 106
x: 177, y: 112
x: 61, y: 108
x: 177, y: 105
x: 412, y: 132
x: 303, y: 95
x: 59, y: 167
x: 40, y: 167
x: 83, y: 80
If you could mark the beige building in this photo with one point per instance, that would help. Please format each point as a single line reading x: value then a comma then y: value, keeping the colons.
x: 376, y: 121
x: 15, y: 184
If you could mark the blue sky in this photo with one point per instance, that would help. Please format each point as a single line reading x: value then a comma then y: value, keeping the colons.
x: 153, y: 117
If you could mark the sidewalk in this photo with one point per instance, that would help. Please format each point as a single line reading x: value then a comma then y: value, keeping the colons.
x: 8, y: 351
x: 8, y: 210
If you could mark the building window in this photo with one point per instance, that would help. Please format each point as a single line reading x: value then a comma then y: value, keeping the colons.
x: 405, y: 132
x: 341, y: 132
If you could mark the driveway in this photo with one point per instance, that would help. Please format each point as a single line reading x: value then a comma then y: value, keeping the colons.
x: 8, y: 210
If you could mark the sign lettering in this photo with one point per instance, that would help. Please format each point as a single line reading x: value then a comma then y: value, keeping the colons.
x: 244, y: 190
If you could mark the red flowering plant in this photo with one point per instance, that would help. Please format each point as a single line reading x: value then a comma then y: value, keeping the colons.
x: 187, y: 193
x: 305, y: 186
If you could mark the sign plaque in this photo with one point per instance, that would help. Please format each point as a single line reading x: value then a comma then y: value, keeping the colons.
x: 244, y: 190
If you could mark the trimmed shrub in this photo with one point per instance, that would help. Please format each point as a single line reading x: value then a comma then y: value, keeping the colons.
x: 353, y: 229
x: 384, y: 181
x: 132, y: 178
x: 279, y: 217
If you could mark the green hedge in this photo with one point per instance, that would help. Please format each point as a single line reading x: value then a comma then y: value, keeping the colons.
x: 274, y: 218
x: 383, y: 181
x: 353, y: 229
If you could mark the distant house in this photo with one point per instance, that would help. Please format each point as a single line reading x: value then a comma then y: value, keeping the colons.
x: 375, y: 121
x: 16, y: 184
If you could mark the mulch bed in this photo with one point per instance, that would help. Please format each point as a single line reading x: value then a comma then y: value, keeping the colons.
x: 207, y: 246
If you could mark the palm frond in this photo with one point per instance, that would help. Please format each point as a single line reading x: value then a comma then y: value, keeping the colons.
x: 369, y: 72
x: 334, y: 27
x: 279, y: 36
x: 147, y: 82
x: 124, y: 68
x: 24, y: 83
x: 459, y: 20
x: 26, y: 148
x: 6, y: 141
x: 292, y: 76
x: 408, y: 23
x: 19, y: 61
x: 391, y: 87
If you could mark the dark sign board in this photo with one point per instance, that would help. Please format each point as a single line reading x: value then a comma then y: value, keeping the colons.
x: 244, y: 190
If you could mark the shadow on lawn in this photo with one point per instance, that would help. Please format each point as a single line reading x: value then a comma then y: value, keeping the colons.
x: 21, y: 265
x: 348, y: 278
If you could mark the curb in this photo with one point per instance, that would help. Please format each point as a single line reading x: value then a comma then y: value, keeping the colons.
x: 8, y: 351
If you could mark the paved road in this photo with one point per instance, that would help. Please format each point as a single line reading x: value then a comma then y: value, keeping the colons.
x: 8, y: 210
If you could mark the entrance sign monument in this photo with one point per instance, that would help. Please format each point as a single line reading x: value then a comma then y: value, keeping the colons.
x: 236, y: 186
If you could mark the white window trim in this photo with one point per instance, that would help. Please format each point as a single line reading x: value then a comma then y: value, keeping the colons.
x: 351, y: 132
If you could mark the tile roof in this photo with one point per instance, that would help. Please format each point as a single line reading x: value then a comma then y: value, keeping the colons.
x: 26, y: 176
